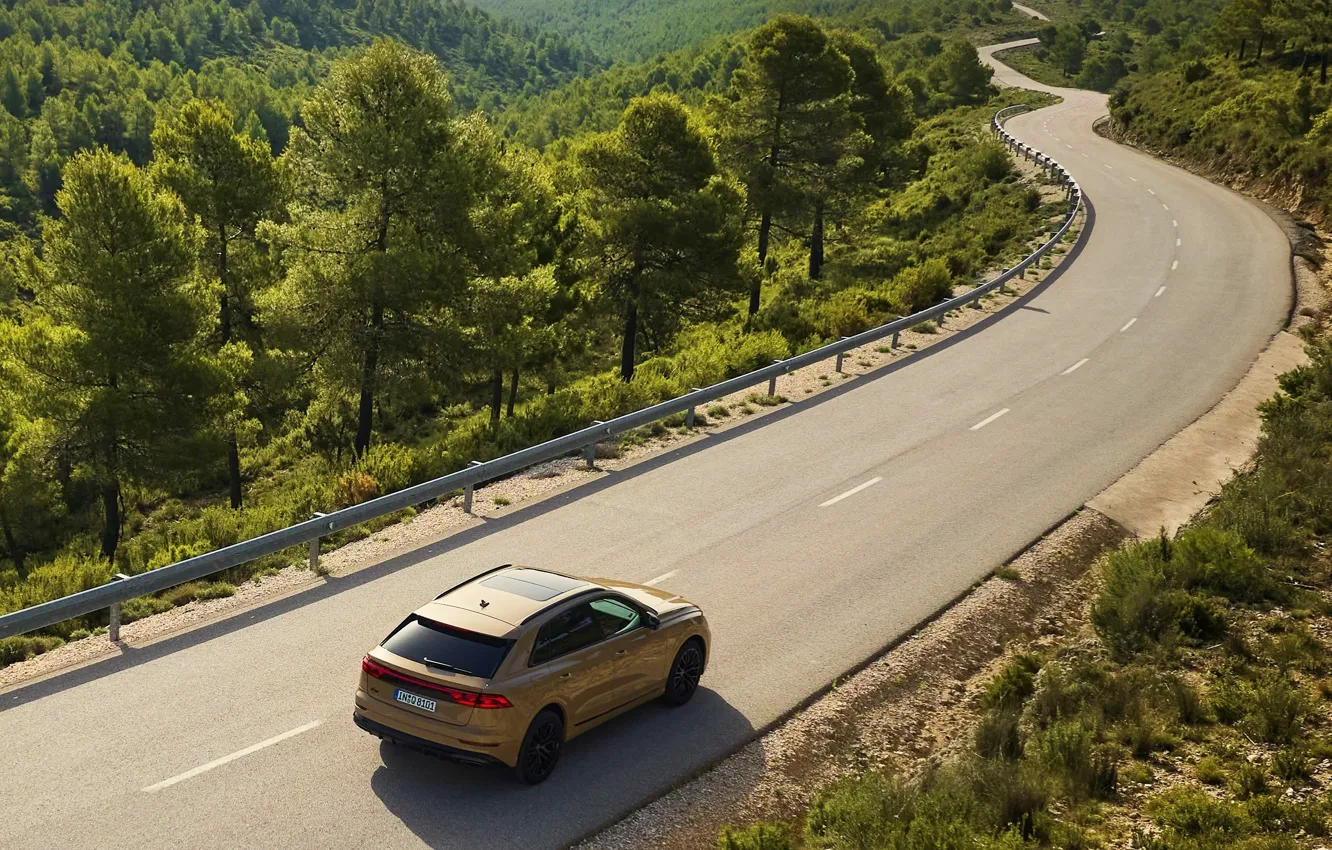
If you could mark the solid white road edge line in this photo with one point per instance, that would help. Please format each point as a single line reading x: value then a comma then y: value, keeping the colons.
x: 986, y: 421
x: 1129, y: 325
x: 204, y: 768
x: 660, y: 578
x: 853, y: 491
x: 1074, y: 367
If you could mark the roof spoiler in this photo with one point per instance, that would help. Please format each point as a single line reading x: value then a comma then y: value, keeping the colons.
x: 474, y: 578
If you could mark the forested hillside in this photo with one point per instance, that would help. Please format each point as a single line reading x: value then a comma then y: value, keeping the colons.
x: 77, y: 75
x: 637, y: 29
x: 252, y: 272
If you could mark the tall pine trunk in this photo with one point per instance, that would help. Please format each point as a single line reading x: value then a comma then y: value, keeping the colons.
x: 513, y: 391
x: 1322, y: 69
x: 111, y: 518
x: 1262, y: 36
x: 1244, y: 42
x: 365, y: 420
x: 233, y: 449
x: 816, y: 243
x: 496, y: 396
x: 630, y: 328
x: 15, y: 549
x: 756, y: 288
x: 369, y: 370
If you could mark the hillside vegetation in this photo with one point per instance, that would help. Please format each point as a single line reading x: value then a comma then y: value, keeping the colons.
x: 638, y: 29
x: 218, y: 330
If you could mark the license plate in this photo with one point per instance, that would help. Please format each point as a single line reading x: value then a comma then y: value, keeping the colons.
x: 414, y: 701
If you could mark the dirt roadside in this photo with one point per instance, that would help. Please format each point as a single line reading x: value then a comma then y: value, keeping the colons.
x: 557, y: 477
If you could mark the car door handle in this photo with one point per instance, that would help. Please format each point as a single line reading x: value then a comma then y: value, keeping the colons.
x: 622, y: 652
x: 566, y: 675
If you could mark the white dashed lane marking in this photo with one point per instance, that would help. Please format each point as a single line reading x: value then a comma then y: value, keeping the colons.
x: 654, y: 582
x: 986, y: 421
x: 1074, y: 367
x: 1129, y: 324
x: 204, y: 768
x: 853, y: 491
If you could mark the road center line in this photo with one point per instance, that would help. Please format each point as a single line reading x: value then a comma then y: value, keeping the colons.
x: 1070, y: 147
x: 853, y: 491
x: 1129, y: 325
x: 1164, y: 207
x: 204, y: 768
x: 986, y: 421
x: 1108, y: 165
x: 1134, y: 179
x: 1074, y: 367
x: 654, y: 582
x: 1174, y: 265
x: 1159, y: 292
x: 1178, y: 242
x: 1151, y: 191
x: 1175, y: 222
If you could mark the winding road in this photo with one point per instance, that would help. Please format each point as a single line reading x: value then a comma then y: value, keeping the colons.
x: 239, y: 734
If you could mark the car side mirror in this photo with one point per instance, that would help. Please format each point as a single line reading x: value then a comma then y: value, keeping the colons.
x: 652, y: 621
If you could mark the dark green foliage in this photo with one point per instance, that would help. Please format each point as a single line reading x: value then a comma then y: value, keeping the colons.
x: 635, y: 29
x: 760, y: 836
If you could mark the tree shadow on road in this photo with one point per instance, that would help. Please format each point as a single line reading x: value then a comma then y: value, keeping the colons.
x: 602, y: 776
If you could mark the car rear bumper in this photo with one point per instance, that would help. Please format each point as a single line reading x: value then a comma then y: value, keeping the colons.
x: 421, y: 745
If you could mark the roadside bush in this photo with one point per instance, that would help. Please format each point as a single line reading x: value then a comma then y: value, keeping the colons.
x: 1278, y: 709
x: 760, y: 836
x: 23, y: 647
x: 998, y: 736
x: 1013, y: 685
x: 1069, y: 751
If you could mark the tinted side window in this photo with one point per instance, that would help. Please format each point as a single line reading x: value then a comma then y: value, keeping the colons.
x: 614, y: 616
x: 572, y: 630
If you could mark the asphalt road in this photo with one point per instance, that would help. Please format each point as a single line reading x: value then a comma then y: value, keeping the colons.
x: 1178, y: 286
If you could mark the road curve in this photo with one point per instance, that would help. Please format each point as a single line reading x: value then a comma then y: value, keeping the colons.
x: 1179, y: 286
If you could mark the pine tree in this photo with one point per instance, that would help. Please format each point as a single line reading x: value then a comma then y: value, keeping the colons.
x: 110, y: 355
x: 793, y: 86
x: 381, y: 183
x: 229, y: 181
x: 665, y: 226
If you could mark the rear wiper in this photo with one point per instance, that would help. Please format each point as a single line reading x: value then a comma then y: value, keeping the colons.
x: 451, y: 668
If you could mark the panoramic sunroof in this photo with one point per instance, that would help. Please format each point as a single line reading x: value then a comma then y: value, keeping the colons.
x: 532, y: 584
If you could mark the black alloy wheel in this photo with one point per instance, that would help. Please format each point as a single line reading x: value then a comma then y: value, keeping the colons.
x: 541, y: 748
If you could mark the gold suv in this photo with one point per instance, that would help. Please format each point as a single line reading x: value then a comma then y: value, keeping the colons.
x: 510, y: 664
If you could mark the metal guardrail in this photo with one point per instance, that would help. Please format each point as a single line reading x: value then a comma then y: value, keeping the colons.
x: 123, y: 588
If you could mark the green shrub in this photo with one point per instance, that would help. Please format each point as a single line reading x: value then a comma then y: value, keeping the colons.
x: 1209, y: 771
x: 1013, y: 684
x: 1190, y: 812
x: 998, y: 736
x: 1292, y: 764
x: 760, y: 836
x: 144, y: 606
x: 1069, y: 751
x: 23, y: 647
x: 1278, y: 709
x: 1249, y: 780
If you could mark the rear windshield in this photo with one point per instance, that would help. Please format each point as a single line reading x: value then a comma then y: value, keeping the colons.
x: 447, y: 649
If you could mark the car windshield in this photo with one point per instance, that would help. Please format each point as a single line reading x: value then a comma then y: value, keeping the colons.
x: 447, y: 648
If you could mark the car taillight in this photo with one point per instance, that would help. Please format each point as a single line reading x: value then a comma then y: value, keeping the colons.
x: 471, y: 699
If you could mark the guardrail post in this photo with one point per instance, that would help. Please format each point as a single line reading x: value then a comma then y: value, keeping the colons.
x: 590, y: 452
x: 893, y: 344
x: 113, y: 621
x: 1002, y: 289
x: 772, y: 382
x: 840, y: 355
x: 314, y: 545
x: 467, y: 491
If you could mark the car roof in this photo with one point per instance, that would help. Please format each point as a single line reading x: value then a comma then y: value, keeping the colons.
x: 497, y: 602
